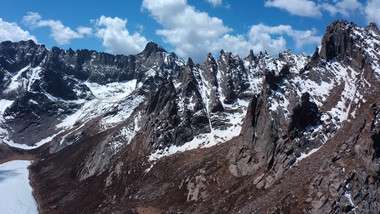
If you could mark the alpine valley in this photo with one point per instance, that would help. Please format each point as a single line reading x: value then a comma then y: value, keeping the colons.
x: 152, y: 133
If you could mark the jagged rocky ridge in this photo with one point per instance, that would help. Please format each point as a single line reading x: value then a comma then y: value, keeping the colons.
x: 261, y: 134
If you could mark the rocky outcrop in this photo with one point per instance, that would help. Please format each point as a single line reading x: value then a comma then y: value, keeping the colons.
x: 16, y: 56
x: 231, y: 78
x: 344, y: 41
x: 262, y: 136
x: 304, y: 115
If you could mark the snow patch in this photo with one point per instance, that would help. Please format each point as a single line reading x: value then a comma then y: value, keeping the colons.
x: 4, y: 104
x: 4, y: 135
x: 341, y: 111
x: 112, y: 91
x: 305, y: 155
x: 125, y: 135
x: 33, y: 76
x: 124, y: 111
x: 348, y: 195
x: 35, y: 145
x: 25, y: 83
x: 16, y: 81
x: 109, y: 97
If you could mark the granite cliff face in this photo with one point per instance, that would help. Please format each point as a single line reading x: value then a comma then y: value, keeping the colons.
x: 153, y: 133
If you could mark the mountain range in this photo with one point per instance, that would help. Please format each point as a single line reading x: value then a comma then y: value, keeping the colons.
x: 152, y: 133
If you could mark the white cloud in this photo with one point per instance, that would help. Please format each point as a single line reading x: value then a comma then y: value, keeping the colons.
x: 194, y: 33
x: 330, y: 8
x: 191, y: 32
x: 85, y: 31
x: 60, y: 33
x: 306, y: 8
x: 307, y: 37
x: 236, y: 44
x: 344, y: 7
x: 116, y: 37
x: 309, y: 8
x: 372, y: 11
x: 215, y: 3
x: 10, y: 31
x: 263, y: 36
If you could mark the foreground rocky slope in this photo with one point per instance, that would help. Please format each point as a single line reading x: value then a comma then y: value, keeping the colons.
x: 151, y: 133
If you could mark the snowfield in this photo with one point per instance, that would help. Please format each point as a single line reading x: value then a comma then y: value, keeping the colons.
x: 15, y: 190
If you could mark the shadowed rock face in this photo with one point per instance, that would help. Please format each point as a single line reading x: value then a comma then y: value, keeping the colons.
x: 153, y: 133
x: 336, y: 42
x: 305, y: 114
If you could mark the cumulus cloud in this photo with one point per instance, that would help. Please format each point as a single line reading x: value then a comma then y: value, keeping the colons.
x: 10, y: 31
x: 237, y: 44
x: 309, y: 8
x: 116, y: 37
x: 60, y: 33
x: 372, y: 11
x: 271, y: 38
x: 344, y: 7
x: 297, y: 7
x: 191, y: 32
x: 215, y: 3
x: 194, y: 33
x: 305, y: 37
x: 259, y: 38
x: 265, y: 38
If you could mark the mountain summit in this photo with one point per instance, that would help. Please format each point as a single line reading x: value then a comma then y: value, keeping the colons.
x: 151, y: 133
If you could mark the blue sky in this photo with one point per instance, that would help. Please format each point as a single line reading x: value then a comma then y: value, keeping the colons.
x: 190, y: 28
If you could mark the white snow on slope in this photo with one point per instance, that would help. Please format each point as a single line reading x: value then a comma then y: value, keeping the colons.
x: 15, y: 190
x: 278, y: 100
x: 25, y: 83
x: 16, y: 81
x: 370, y: 41
x: 254, y: 78
x: 34, y: 146
x: 4, y: 104
x: 109, y: 97
x: 320, y: 91
x: 124, y: 111
x: 112, y: 92
x: 112, y: 96
x: 348, y: 195
x: 341, y: 110
x: 126, y: 134
x: 32, y: 77
x: 305, y: 155
x: 213, y: 138
x: 344, y: 109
